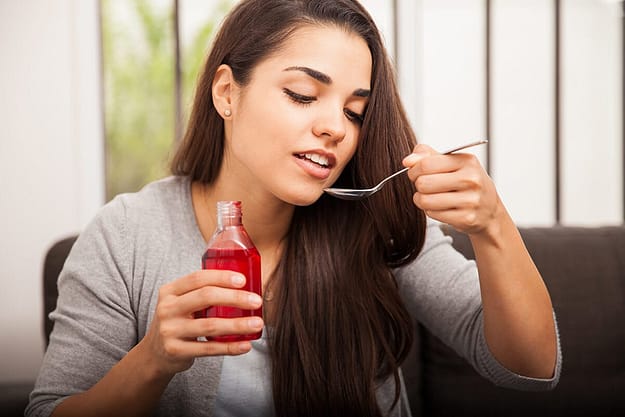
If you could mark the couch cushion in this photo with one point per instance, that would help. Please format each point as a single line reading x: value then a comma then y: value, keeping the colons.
x: 584, y: 269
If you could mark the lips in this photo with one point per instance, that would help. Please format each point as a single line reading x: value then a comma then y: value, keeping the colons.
x: 317, y: 164
x: 322, y: 159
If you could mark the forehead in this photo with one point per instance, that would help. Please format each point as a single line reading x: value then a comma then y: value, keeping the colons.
x: 341, y: 54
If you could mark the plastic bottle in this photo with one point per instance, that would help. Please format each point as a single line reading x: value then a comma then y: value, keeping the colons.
x: 230, y: 248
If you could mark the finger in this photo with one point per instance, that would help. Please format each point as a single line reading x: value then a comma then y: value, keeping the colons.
x: 217, y: 296
x: 412, y: 159
x: 443, y: 216
x: 460, y: 219
x: 442, y: 163
x: 433, y: 164
x: 195, y: 348
x: 434, y: 202
x: 446, y: 201
x: 214, y: 326
x: 420, y: 151
x: 204, y: 277
x: 422, y: 148
x: 230, y: 348
x: 447, y: 182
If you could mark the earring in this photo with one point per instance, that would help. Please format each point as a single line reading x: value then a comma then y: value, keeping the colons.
x: 227, y: 113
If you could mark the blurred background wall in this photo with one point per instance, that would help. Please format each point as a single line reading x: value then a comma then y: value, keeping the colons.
x: 94, y: 93
x: 51, y: 156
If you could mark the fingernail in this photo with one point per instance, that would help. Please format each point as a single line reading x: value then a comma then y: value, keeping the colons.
x: 244, y: 347
x: 255, y: 299
x: 238, y: 280
x: 411, y: 159
x: 255, y: 322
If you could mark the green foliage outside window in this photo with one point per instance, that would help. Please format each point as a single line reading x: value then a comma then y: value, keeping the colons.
x: 139, y: 86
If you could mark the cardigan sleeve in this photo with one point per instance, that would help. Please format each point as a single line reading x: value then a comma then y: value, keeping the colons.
x: 94, y: 322
x: 441, y: 291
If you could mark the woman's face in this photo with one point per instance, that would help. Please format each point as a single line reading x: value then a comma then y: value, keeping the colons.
x: 295, y: 126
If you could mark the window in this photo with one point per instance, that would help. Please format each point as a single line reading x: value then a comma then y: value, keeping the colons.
x: 539, y: 79
x: 152, y: 52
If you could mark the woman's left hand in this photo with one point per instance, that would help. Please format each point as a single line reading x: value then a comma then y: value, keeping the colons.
x: 453, y: 189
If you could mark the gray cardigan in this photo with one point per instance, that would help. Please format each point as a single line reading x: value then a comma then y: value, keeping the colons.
x: 108, y: 291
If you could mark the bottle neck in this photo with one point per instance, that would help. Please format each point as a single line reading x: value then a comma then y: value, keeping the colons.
x: 229, y: 214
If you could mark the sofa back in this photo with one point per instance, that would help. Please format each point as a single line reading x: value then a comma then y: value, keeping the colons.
x: 584, y: 270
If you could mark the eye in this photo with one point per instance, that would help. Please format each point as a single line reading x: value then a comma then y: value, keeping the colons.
x: 354, y: 117
x: 298, y: 98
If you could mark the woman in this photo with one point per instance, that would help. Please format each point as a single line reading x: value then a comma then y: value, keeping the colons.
x: 296, y: 95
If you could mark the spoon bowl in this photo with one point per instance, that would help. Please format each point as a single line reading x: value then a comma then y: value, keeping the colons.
x: 357, y: 194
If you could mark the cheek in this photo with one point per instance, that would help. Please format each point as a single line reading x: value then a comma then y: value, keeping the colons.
x: 260, y: 134
x: 350, y: 146
x: 268, y: 114
x: 256, y: 123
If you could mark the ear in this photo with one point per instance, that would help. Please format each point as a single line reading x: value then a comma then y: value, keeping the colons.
x: 223, y: 90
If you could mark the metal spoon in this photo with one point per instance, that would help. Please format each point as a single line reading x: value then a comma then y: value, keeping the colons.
x: 357, y: 194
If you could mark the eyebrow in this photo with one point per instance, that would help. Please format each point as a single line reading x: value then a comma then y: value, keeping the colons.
x: 325, y: 79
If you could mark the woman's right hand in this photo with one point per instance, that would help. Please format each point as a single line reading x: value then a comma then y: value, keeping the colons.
x: 171, y: 340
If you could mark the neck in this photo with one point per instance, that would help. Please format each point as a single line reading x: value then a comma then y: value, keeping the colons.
x: 266, y: 218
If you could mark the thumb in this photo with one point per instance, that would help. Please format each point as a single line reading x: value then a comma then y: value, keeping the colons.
x: 419, y: 152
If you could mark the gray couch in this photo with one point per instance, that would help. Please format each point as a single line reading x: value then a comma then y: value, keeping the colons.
x: 584, y: 269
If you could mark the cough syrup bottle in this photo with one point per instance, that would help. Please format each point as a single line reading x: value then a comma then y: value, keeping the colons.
x: 230, y: 248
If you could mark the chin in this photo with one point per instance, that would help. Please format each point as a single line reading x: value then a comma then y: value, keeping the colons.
x: 302, y: 198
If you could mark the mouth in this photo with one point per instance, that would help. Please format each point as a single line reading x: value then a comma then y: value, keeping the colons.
x: 323, y: 160
x: 318, y: 164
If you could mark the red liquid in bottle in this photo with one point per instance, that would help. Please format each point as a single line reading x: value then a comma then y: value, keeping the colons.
x: 247, y: 262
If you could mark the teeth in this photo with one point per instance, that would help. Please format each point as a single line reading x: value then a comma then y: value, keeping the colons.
x: 316, y: 158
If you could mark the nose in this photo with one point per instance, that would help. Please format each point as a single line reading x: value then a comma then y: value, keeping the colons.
x: 330, y: 125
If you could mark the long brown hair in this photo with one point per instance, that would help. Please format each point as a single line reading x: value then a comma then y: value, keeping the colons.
x: 341, y: 326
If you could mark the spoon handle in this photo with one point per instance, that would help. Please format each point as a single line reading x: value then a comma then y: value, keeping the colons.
x: 447, y: 152
x: 467, y: 145
x: 391, y: 176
